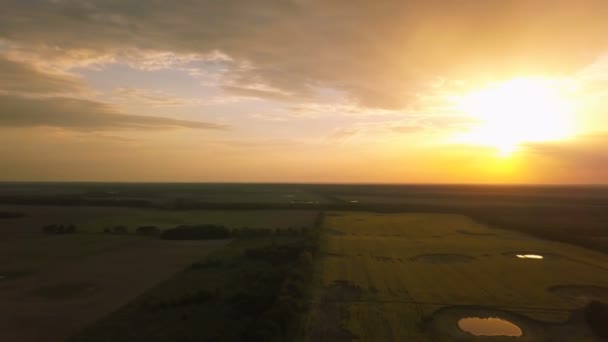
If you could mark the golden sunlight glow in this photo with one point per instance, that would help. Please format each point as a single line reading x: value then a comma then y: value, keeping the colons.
x: 517, y: 111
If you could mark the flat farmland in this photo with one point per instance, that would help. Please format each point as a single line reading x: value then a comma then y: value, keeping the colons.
x: 53, y: 286
x: 412, y: 276
x: 95, y: 219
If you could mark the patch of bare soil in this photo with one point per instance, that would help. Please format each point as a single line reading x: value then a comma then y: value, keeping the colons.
x: 66, y: 295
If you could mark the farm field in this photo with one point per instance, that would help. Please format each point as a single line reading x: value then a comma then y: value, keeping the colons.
x: 412, y: 276
x: 164, y: 194
x: 234, y: 288
x: 96, y: 219
x: 53, y: 286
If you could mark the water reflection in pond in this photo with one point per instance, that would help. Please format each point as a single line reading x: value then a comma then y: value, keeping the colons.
x: 529, y: 256
x: 491, y: 326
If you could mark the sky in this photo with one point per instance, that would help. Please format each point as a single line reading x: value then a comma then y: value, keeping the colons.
x: 349, y: 91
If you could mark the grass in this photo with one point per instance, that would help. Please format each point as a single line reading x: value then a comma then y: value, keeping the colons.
x: 95, y: 219
x: 230, y: 274
x: 369, y: 255
x: 231, y: 218
x: 63, y: 290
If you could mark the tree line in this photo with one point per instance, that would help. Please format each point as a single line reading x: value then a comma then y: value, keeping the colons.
x: 59, y: 229
x: 266, y: 296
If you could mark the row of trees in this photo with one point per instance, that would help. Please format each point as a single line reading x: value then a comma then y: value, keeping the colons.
x: 596, y: 313
x: 116, y: 230
x: 143, y: 230
x: 196, y: 298
x: 207, y: 232
x: 268, y: 287
x: 59, y: 229
x: 278, y: 299
x: 211, y: 231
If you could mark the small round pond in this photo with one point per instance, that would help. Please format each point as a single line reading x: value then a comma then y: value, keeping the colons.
x: 490, y: 326
x: 529, y: 255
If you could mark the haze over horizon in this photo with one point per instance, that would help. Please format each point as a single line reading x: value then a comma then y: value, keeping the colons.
x: 304, y: 91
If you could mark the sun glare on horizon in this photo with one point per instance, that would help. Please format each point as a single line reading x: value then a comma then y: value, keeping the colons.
x: 517, y: 111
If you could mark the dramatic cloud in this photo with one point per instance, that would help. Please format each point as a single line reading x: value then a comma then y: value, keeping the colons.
x: 379, y: 54
x: 149, y: 97
x: 368, y: 89
x: 16, y: 77
x: 79, y: 114
x: 30, y: 97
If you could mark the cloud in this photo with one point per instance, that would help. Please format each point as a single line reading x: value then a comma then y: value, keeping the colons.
x: 343, y: 134
x: 257, y: 93
x: 587, y: 152
x: 32, y: 97
x: 17, y: 77
x: 379, y: 55
x: 149, y: 97
x: 82, y: 114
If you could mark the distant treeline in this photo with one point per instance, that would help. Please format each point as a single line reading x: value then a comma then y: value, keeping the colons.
x: 77, y: 201
x: 59, y: 229
x: 207, y: 232
x: 550, y: 213
x: 210, y: 231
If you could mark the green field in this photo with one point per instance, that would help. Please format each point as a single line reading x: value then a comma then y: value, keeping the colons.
x: 59, y: 284
x: 270, y: 219
x: 229, y: 296
x: 371, y: 286
x: 96, y: 219
x: 394, y: 262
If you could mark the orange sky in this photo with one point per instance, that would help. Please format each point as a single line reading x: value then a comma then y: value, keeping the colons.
x: 304, y: 91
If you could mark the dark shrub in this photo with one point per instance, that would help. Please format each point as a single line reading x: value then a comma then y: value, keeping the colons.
x: 148, y: 230
x: 119, y: 230
x: 59, y: 229
x: 597, y: 316
x: 206, y: 264
x: 275, y: 254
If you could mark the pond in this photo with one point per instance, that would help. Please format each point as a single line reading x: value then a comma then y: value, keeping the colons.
x: 490, y: 326
x: 530, y: 256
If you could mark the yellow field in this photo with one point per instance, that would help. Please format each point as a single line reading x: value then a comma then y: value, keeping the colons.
x: 369, y: 287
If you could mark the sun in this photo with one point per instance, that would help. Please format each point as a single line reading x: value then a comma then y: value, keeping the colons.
x: 517, y: 111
